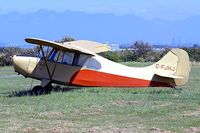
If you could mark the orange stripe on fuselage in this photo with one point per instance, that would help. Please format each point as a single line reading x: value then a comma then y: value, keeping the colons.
x: 95, y: 78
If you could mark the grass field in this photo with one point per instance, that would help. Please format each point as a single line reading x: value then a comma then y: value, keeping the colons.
x: 72, y: 109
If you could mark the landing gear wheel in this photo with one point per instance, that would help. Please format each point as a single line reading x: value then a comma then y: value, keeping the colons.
x: 37, y: 90
x: 48, y: 89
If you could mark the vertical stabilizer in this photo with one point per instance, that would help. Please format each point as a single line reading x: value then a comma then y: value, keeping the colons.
x: 175, y: 65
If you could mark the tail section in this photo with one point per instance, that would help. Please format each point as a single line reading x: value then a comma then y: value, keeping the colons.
x: 174, y: 65
x: 183, y: 66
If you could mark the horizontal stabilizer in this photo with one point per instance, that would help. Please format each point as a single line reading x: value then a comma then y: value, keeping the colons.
x: 169, y: 76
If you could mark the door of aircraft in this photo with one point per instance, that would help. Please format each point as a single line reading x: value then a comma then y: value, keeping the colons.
x: 65, y: 64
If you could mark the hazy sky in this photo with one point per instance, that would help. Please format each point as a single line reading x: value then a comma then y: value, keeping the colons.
x: 148, y: 9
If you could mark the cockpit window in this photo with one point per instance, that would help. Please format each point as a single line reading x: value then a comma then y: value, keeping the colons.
x: 82, y: 59
x: 53, y: 55
x: 93, y: 64
x: 66, y: 57
x: 61, y: 57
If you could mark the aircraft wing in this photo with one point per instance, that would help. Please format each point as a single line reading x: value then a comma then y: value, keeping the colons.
x: 67, y: 46
x: 94, y: 47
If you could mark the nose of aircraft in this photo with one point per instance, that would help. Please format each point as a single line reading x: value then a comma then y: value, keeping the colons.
x: 20, y: 64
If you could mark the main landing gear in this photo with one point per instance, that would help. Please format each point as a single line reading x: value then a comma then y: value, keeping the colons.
x: 39, y: 90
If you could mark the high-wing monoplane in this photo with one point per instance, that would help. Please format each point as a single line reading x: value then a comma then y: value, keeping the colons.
x: 78, y: 63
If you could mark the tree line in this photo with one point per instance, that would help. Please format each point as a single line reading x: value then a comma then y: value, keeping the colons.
x: 144, y: 52
x: 138, y: 51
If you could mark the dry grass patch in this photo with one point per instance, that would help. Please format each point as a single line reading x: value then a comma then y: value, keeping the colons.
x: 158, y: 130
x: 124, y: 102
x: 192, y: 130
x: 192, y: 113
x: 51, y: 115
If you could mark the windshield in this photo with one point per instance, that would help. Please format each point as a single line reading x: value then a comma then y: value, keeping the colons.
x: 47, y: 52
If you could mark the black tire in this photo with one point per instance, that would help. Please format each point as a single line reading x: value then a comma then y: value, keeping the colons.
x: 48, y: 89
x: 37, y: 90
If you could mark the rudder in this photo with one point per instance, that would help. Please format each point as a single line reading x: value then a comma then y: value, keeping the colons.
x: 183, y: 66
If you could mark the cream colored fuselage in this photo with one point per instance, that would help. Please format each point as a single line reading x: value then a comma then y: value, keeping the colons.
x: 98, y: 71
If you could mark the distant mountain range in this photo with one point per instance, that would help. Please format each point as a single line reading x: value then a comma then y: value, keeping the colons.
x: 14, y: 27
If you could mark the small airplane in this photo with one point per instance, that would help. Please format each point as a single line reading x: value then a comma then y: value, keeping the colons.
x: 77, y: 63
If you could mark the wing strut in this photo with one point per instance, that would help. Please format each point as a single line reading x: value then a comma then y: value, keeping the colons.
x: 56, y: 62
x: 45, y: 60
